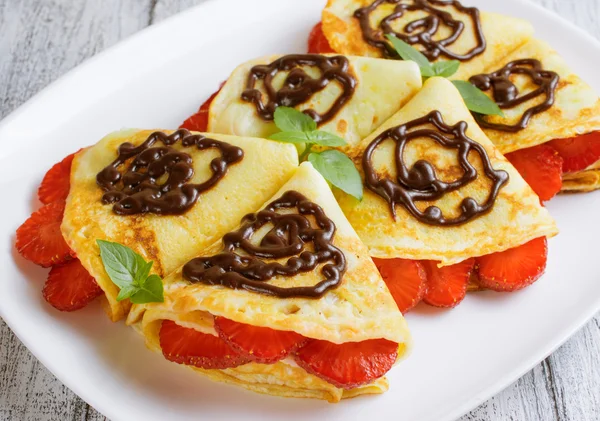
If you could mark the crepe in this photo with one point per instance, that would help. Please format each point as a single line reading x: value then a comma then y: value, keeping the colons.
x: 515, y: 217
x: 575, y: 109
x: 382, y: 87
x: 359, y: 309
x: 168, y: 240
x: 502, y: 34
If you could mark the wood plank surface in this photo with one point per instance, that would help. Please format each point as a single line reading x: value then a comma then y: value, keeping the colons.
x: 42, y: 39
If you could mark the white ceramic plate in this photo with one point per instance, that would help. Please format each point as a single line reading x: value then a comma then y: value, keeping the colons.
x: 156, y: 79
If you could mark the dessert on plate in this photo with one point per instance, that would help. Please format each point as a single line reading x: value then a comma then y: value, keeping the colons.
x: 551, y: 125
x: 288, y: 303
x: 440, y: 29
x: 166, y: 195
x: 346, y: 96
x: 443, y: 207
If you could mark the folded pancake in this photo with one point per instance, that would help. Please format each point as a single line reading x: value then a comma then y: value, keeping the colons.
x: 348, y: 96
x: 440, y: 29
x: 166, y: 196
x: 543, y: 100
x: 435, y: 202
x: 350, y: 306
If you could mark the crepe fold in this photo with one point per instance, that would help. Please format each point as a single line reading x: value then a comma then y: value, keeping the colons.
x: 575, y: 111
x: 515, y: 218
x: 168, y: 240
x: 359, y: 309
x: 382, y: 87
x: 502, y: 34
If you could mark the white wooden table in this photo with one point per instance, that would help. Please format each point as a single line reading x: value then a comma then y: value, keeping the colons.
x: 42, y: 39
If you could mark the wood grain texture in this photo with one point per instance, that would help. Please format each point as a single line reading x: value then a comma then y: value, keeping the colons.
x: 42, y: 39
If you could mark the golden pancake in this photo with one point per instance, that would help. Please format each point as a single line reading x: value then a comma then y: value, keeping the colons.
x: 502, y: 34
x: 382, y: 87
x: 359, y: 309
x: 576, y: 108
x: 515, y: 217
x: 168, y: 240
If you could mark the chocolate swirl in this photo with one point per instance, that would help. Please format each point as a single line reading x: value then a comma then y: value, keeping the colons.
x: 420, y: 182
x: 140, y: 188
x: 288, y: 238
x: 507, y: 96
x: 422, y: 31
x: 299, y: 87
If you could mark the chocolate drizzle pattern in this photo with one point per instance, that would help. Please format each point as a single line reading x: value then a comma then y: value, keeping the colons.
x: 506, y: 94
x: 422, y: 31
x: 299, y: 86
x: 420, y: 182
x: 241, y: 264
x: 139, y: 189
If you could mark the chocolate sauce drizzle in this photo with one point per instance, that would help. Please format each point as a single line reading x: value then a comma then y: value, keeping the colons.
x: 420, y: 182
x: 507, y: 96
x: 421, y: 31
x: 289, y: 236
x: 139, y: 188
x: 298, y: 86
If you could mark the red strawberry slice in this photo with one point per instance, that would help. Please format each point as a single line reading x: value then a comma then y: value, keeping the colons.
x: 578, y: 152
x: 348, y: 365
x: 39, y: 238
x: 405, y: 279
x: 447, y: 286
x: 70, y: 287
x: 317, y: 42
x: 190, y: 347
x: 541, y: 167
x: 515, y: 268
x: 56, y: 183
x: 199, y: 121
x: 259, y: 344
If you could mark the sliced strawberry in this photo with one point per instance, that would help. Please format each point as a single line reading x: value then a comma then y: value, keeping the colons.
x: 578, y: 152
x: 199, y: 121
x: 317, y: 42
x: 259, y: 344
x: 190, y: 347
x: 39, y: 238
x: 348, y: 365
x: 514, y: 268
x: 447, y: 286
x: 70, y: 287
x: 56, y: 183
x: 405, y: 279
x: 541, y: 167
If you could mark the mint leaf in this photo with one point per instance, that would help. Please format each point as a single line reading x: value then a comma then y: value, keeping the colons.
x: 322, y: 138
x: 121, y: 263
x: 129, y: 271
x: 339, y: 170
x: 445, y: 68
x: 290, y: 137
x: 408, y: 52
x: 150, y: 291
x: 476, y: 100
x: 288, y: 119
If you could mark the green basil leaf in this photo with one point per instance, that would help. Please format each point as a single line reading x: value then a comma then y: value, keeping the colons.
x: 339, y: 170
x: 290, y: 137
x: 121, y: 263
x: 446, y: 68
x: 322, y: 138
x: 126, y: 292
x: 150, y: 291
x: 408, y: 52
x: 288, y: 119
x: 476, y: 100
